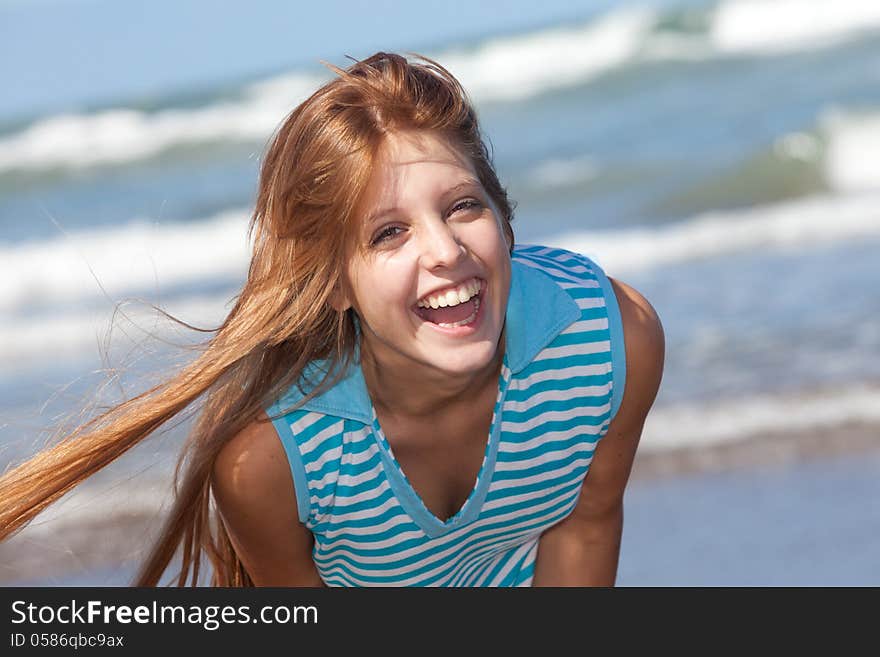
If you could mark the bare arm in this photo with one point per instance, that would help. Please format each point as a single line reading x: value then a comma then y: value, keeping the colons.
x: 256, y: 499
x: 583, y: 549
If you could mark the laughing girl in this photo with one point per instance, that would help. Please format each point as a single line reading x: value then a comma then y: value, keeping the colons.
x: 400, y: 396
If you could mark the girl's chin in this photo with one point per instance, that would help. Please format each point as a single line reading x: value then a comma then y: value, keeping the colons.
x: 462, y: 359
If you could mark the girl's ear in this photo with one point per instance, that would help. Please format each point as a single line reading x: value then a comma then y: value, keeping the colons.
x: 507, y: 229
x: 339, y: 299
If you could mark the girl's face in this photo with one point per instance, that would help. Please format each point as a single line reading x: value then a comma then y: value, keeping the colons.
x: 430, y: 276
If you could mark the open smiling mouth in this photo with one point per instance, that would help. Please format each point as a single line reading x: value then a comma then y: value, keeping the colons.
x: 453, y: 308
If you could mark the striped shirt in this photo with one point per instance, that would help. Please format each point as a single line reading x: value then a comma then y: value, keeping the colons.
x: 561, y: 383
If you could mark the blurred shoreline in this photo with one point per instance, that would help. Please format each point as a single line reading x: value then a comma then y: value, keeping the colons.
x: 760, y: 449
x: 95, y: 552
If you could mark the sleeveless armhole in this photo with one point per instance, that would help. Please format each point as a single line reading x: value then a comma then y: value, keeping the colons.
x: 294, y: 459
x: 618, y: 347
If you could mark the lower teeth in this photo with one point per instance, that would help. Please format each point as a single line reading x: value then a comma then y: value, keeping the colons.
x: 466, y: 320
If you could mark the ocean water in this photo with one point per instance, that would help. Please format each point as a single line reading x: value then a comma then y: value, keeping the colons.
x: 721, y: 156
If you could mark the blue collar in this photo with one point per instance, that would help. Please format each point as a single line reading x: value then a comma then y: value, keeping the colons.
x: 538, y: 309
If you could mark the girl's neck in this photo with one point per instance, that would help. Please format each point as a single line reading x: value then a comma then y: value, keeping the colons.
x: 406, y: 391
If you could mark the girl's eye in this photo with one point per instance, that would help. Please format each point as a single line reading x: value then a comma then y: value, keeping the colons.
x: 467, y: 204
x: 385, y: 234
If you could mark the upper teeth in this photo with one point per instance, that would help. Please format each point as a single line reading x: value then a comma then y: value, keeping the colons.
x: 453, y: 296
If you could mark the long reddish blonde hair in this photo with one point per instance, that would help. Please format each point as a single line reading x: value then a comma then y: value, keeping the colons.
x: 313, y: 175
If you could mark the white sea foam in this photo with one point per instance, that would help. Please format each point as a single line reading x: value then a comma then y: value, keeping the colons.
x: 690, y: 425
x: 761, y: 27
x: 844, y: 143
x: 30, y: 341
x: 794, y: 224
x: 124, y: 135
x: 513, y: 68
x: 139, y: 257
x: 852, y: 156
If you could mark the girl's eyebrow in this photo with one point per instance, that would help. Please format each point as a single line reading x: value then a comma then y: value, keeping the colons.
x: 469, y: 183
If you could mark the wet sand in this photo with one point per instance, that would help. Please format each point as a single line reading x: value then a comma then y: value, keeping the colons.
x: 807, y: 521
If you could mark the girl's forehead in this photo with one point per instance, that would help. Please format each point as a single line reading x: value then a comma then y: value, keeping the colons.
x: 416, y: 160
x: 413, y: 147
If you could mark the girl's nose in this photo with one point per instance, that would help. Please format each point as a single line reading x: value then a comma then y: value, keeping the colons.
x: 440, y: 247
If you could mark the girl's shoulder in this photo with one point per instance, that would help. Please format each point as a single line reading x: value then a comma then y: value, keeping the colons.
x: 578, y: 275
x: 558, y: 263
x: 636, y: 336
x: 251, y: 467
x: 255, y: 495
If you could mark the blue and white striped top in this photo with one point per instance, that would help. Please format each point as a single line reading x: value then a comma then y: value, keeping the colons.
x: 560, y: 385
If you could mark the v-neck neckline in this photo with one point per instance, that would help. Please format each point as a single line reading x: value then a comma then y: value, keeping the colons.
x: 410, y: 499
